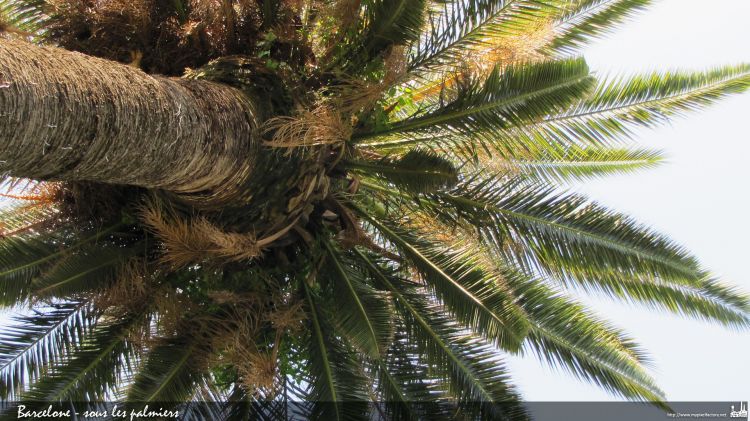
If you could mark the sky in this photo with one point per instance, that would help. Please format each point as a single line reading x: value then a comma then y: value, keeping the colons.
x: 699, y: 198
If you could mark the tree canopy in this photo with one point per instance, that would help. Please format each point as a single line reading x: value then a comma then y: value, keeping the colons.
x: 373, y: 214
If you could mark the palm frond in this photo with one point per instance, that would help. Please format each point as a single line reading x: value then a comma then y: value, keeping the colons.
x: 24, y: 219
x: 418, y: 170
x: 586, y: 20
x: 576, y: 163
x: 508, y: 97
x: 475, y: 24
x: 169, y: 372
x: 392, y: 22
x: 94, y: 371
x: 566, y: 230
x: 382, y: 25
x: 619, y: 104
x: 24, y: 258
x: 364, y: 315
x: 706, y: 299
x: 87, y: 270
x: 32, y: 343
x: 469, y: 369
x: 407, y: 389
x: 338, y: 388
x: 574, y: 240
x: 20, y: 260
x: 565, y: 335
x: 24, y: 15
x: 470, y: 294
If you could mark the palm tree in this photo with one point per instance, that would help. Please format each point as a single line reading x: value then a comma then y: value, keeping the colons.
x: 326, y: 209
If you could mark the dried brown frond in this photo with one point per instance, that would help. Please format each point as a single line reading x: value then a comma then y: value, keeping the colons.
x: 29, y: 208
x: 191, y: 241
x: 167, y: 38
x: 231, y: 246
x: 345, y: 12
x: 9, y: 30
x: 234, y: 298
x: 257, y: 370
x: 357, y: 94
x: 286, y: 316
x: 181, y: 243
x: 129, y: 291
x: 32, y: 191
x: 322, y: 125
x: 170, y: 308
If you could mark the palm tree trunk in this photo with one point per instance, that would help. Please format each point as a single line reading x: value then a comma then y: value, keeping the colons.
x: 68, y: 116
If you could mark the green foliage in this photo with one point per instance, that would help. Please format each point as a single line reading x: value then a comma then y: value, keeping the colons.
x: 473, y: 24
x: 338, y: 388
x: 169, y: 373
x: 364, y: 315
x: 466, y: 366
x: 24, y: 15
x: 576, y: 163
x: 88, y: 270
x: 418, y: 171
x: 589, y: 19
x: 44, y: 338
x: 565, y: 335
x: 93, y: 371
x: 507, y: 96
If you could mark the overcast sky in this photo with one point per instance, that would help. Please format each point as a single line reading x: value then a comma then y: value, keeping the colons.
x: 699, y: 198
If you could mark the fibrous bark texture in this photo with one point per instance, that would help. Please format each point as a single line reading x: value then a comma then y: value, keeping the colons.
x: 68, y: 116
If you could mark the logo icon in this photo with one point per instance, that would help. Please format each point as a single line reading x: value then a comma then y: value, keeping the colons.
x: 741, y: 413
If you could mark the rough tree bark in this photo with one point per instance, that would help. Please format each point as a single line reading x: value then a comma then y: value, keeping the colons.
x: 68, y: 116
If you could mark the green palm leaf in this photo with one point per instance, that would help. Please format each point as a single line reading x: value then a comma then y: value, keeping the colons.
x: 418, y: 171
x: 581, y: 243
x: 20, y: 261
x: 26, y: 15
x: 572, y: 239
x: 169, y: 372
x: 94, y: 371
x: 24, y: 258
x: 471, y: 370
x: 590, y: 19
x: 382, y: 24
x: 706, y: 299
x: 568, y: 231
x: 564, y: 334
x: 472, y: 24
x: 337, y: 385
x: 619, y: 104
x: 507, y: 97
x: 364, y: 315
x: 34, y: 342
x: 87, y: 270
x: 392, y: 22
x: 576, y: 163
x: 470, y: 294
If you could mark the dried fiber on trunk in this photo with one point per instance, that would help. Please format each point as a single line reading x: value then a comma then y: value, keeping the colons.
x: 95, y: 120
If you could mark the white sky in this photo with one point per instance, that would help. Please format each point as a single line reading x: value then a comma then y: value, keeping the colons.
x: 699, y: 198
